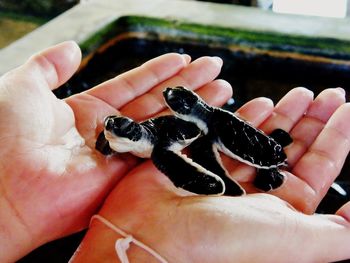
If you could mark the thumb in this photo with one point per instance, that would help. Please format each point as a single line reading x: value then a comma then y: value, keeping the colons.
x: 56, y: 64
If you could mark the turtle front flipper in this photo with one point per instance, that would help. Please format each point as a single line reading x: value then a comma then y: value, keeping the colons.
x: 102, y: 145
x: 186, y: 174
x: 205, y: 154
x: 281, y: 136
x: 268, y: 179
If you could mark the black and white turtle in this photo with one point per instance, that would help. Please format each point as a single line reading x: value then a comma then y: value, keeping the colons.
x: 162, y: 140
x: 226, y: 132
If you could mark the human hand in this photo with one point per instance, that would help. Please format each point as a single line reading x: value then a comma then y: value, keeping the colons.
x: 52, y: 180
x: 258, y: 227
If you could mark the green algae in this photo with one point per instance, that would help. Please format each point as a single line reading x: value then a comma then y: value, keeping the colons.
x: 182, y: 31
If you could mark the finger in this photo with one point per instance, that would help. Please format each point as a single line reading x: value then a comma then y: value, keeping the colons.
x: 344, y: 212
x: 313, y: 174
x: 308, y: 128
x: 303, y: 134
x: 89, y: 115
x: 256, y: 111
x: 215, y: 93
x: 288, y: 110
x: 128, y: 86
x: 194, y: 76
x: 56, y: 64
x: 297, y: 193
x: 322, y: 163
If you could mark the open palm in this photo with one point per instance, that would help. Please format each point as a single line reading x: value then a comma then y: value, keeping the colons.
x: 52, y: 180
x: 276, y: 227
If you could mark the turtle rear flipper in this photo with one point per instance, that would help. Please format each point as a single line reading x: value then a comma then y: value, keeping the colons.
x: 102, y: 145
x: 281, y: 136
x: 205, y: 154
x: 186, y: 174
x: 268, y: 179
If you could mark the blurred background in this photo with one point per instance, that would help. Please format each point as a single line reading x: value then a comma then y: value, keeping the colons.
x: 18, y: 18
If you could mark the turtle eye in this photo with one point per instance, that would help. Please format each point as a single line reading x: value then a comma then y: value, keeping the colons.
x: 109, y: 123
x: 120, y: 126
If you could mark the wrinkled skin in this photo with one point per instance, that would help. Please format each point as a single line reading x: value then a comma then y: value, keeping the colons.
x: 51, y: 183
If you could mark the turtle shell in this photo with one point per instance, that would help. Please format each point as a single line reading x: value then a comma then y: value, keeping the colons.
x: 238, y: 139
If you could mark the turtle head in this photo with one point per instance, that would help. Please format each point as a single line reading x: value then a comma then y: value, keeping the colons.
x: 180, y: 100
x: 122, y: 127
x: 188, y: 106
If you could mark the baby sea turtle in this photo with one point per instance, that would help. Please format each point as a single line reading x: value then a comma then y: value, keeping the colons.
x: 205, y: 130
x: 226, y: 132
x: 162, y: 140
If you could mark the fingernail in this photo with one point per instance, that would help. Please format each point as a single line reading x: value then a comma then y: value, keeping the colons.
x: 341, y: 90
x: 186, y: 57
x: 218, y: 60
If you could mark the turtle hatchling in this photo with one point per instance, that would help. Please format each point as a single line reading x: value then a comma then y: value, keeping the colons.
x: 224, y: 131
x: 162, y: 140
